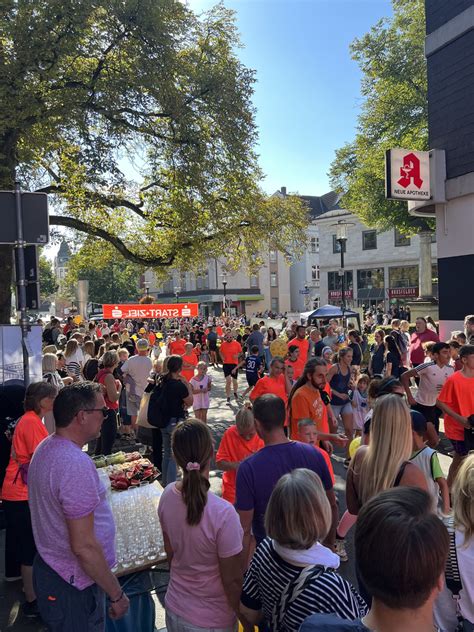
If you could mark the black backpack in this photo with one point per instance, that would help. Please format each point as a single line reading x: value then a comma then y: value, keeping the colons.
x: 90, y: 369
x: 157, y: 415
x: 48, y: 336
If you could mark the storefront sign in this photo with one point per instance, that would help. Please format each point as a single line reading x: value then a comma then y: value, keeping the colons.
x: 338, y: 294
x: 173, y: 310
x: 403, y: 292
x: 407, y: 174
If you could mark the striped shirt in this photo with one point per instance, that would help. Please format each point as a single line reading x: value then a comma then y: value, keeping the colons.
x: 269, y: 575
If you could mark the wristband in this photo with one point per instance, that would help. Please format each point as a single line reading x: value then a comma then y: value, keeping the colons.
x: 117, y: 600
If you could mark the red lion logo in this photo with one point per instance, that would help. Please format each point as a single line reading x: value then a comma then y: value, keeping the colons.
x: 410, y: 172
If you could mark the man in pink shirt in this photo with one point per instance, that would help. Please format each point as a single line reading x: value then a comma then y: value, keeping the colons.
x: 418, y: 337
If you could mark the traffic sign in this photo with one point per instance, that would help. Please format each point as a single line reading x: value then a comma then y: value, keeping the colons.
x: 304, y: 291
x: 34, y: 211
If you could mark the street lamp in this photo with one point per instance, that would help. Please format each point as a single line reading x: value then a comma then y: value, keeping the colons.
x: 177, y: 291
x: 224, y: 285
x: 342, y: 229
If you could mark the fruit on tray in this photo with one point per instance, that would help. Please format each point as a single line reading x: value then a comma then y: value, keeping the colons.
x: 115, y: 459
x: 132, y: 474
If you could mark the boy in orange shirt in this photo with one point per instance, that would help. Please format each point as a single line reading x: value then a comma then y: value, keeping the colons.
x: 190, y: 361
x: 239, y: 442
x: 307, y: 433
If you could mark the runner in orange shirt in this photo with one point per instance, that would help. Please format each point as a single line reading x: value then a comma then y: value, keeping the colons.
x: 239, y: 442
x: 176, y: 345
x: 230, y: 350
x: 307, y: 433
x: 190, y: 361
x: 276, y: 382
x: 309, y: 399
x: 293, y: 361
x: 303, y: 345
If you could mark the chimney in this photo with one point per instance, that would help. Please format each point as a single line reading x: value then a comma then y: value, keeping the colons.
x: 283, y: 190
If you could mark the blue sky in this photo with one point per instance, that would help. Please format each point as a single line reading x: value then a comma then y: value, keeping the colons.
x: 308, y: 88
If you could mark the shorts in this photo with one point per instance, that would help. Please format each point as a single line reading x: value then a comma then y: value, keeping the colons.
x: 228, y: 368
x: 133, y: 404
x: 212, y: 346
x: 428, y: 412
x: 459, y: 447
x: 64, y: 607
x: 19, y: 531
x: 252, y: 378
x: 344, y: 409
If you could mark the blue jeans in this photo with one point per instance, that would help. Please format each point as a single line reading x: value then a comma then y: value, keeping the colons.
x: 268, y: 357
x: 169, y: 465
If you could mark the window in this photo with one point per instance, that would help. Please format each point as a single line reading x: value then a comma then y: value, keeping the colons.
x: 206, y: 280
x: 433, y: 238
x: 199, y: 282
x: 273, y: 256
x: 315, y: 273
x: 369, y: 240
x: 403, y: 276
x: 401, y: 239
x: 274, y: 304
x: 335, y: 280
x: 182, y: 282
x: 253, y: 280
x: 314, y: 244
x: 273, y: 279
x: 336, y: 247
x: 368, y: 279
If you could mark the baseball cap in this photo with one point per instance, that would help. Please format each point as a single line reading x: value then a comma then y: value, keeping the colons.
x: 142, y: 344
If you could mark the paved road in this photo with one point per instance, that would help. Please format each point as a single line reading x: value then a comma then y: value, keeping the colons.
x: 220, y: 417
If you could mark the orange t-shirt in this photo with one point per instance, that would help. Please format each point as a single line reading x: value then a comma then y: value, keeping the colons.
x: 219, y: 330
x: 177, y: 347
x: 297, y: 369
x: 189, y: 359
x: 303, y: 346
x: 230, y: 352
x: 267, y: 384
x: 29, y: 432
x: 327, y: 458
x: 151, y: 338
x: 307, y: 404
x: 458, y: 394
x: 234, y: 448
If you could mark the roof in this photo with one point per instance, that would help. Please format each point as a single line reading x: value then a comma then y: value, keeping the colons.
x: 321, y: 204
x: 339, y: 212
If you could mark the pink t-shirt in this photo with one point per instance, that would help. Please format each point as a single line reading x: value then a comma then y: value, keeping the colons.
x: 195, y: 591
x: 63, y: 483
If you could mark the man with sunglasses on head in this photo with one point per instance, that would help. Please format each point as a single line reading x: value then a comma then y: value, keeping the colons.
x: 72, y: 521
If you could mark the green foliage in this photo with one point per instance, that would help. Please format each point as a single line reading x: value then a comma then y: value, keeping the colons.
x: 394, y: 114
x: 91, y: 87
x: 111, y: 278
x: 47, y: 280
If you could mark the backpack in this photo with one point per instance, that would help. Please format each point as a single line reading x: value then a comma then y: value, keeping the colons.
x: 157, y: 416
x: 90, y: 369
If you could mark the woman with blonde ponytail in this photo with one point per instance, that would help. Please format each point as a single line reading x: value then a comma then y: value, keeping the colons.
x: 203, y: 540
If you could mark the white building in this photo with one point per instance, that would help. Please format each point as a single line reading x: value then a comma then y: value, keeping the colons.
x: 379, y: 267
x: 267, y: 290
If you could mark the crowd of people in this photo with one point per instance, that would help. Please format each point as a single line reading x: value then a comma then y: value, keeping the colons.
x: 268, y: 551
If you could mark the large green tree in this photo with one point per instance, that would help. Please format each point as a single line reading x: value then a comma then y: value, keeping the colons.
x: 47, y: 280
x: 136, y: 116
x: 394, y: 114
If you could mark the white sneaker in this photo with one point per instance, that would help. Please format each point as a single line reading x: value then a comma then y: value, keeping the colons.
x: 341, y: 550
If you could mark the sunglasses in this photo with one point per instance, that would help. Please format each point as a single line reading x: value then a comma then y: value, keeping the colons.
x: 104, y: 411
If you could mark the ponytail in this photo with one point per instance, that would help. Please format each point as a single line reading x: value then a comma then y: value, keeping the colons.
x: 192, y: 449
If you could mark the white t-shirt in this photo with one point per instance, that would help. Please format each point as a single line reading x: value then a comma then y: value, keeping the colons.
x: 432, y: 379
x: 138, y: 369
x: 444, y: 608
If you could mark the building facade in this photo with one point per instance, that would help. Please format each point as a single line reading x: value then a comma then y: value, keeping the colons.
x: 266, y: 290
x: 380, y: 268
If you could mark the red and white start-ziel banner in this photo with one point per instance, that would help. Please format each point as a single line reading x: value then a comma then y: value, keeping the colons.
x: 173, y: 310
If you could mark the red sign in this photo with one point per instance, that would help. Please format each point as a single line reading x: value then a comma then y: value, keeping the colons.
x: 403, y: 292
x: 410, y: 172
x: 338, y: 294
x: 129, y: 310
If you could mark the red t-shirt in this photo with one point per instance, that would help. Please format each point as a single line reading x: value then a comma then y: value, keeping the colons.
x: 267, y: 384
x: 234, y: 448
x: 29, y: 433
x: 303, y: 346
x: 230, y: 352
x: 189, y: 359
x: 417, y: 353
x: 458, y: 394
x: 177, y: 347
